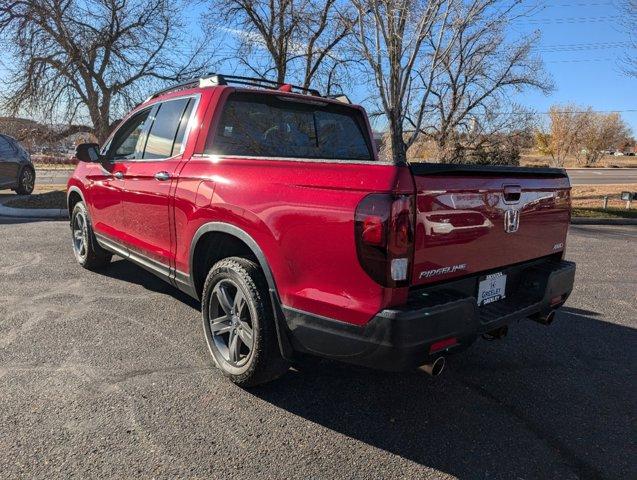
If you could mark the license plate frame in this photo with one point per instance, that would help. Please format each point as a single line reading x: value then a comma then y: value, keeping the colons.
x: 491, y: 288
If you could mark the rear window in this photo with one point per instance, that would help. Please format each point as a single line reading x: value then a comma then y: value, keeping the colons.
x: 270, y: 126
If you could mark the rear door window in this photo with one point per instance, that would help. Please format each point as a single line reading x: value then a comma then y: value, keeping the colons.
x: 271, y: 126
x: 166, y: 135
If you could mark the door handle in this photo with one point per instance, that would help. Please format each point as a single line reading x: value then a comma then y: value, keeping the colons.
x: 162, y: 176
x: 118, y: 175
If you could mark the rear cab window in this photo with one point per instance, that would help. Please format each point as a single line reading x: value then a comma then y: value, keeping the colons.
x: 283, y: 127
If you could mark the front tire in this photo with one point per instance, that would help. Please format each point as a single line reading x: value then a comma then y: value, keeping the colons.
x: 239, y: 325
x: 26, y: 181
x: 85, y: 247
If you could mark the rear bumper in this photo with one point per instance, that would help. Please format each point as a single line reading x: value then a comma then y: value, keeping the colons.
x: 399, y: 339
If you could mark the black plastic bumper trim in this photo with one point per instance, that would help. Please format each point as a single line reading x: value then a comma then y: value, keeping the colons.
x: 399, y: 339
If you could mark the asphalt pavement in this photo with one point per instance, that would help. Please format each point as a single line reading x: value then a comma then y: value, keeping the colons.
x: 602, y: 176
x: 108, y: 375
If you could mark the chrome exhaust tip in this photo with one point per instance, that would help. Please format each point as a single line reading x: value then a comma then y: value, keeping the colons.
x: 434, y: 368
x: 544, y: 318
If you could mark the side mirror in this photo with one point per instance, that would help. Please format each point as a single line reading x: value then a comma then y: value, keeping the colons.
x: 88, y: 152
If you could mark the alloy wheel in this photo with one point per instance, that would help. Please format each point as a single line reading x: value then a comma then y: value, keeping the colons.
x: 80, y: 235
x: 27, y: 180
x: 231, y: 324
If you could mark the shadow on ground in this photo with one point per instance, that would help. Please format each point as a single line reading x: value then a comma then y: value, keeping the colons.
x: 129, y: 272
x: 554, y: 396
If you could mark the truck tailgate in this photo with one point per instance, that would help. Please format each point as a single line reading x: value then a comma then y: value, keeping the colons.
x: 474, y: 219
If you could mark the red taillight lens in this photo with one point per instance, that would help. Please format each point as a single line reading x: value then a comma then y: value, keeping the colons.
x: 384, y: 226
x: 373, y: 230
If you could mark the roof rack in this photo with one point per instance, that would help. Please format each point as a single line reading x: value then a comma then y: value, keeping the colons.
x: 213, y: 79
x: 341, y: 97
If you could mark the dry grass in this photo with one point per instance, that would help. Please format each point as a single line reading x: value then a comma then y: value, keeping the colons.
x: 601, y: 213
x: 44, y: 188
x: 52, y: 166
x: 535, y: 160
x: 592, y: 196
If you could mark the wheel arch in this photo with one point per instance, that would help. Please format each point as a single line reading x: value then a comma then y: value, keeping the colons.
x: 73, y: 196
x: 255, y: 251
x: 238, y: 234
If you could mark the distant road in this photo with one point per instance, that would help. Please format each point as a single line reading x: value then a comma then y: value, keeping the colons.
x: 585, y: 176
x: 52, y: 177
x: 602, y: 176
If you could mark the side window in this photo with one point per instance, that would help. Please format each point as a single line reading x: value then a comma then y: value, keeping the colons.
x: 162, y: 137
x: 183, y: 125
x: 126, y: 144
x: 6, y: 152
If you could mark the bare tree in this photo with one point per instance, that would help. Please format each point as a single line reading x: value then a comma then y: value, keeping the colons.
x: 395, y: 37
x: 286, y: 39
x: 90, y: 59
x: 479, y: 72
x: 443, y: 68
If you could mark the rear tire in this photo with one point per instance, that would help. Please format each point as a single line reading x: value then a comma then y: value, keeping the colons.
x: 26, y: 181
x: 87, y: 251
x: 239, y: 325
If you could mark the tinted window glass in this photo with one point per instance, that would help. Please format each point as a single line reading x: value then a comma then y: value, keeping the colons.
x: 22, y: 153
x: 6, y: 150
x: 126, y: 144
x: 161, y: 137
x: 273, y: 127
x: 183, y: 124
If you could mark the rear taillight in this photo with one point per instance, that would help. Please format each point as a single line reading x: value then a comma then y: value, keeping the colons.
x: 384, y: 226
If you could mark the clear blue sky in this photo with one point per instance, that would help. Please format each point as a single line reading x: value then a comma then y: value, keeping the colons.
x: 587, y: 74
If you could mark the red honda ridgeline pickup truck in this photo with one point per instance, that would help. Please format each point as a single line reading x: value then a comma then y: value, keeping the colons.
x: 272, y: 208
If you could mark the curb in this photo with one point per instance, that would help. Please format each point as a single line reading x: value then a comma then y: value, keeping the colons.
x: 52, y: 213
x: 603, y: 221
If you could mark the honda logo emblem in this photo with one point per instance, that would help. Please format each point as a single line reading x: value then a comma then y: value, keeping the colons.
x: 511, y: 221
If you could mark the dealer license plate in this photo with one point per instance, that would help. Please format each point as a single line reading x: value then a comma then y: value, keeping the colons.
x: 492, y: 288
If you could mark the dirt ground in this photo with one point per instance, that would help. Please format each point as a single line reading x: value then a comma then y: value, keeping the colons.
x: 609, y: 161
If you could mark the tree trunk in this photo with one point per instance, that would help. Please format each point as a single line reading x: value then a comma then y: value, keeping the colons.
x: 398, y: 147
x: 101, y: 129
